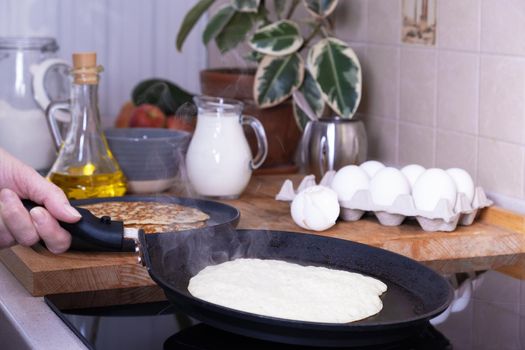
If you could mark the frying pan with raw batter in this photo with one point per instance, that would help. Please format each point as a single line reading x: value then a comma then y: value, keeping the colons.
x: 415, y: 293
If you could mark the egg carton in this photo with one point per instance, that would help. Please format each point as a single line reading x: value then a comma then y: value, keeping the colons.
x: 444, y: 217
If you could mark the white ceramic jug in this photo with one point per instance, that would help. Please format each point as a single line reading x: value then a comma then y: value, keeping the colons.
x: 219, y: 161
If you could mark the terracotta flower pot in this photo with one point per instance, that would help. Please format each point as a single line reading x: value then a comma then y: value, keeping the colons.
x: 279, y: 123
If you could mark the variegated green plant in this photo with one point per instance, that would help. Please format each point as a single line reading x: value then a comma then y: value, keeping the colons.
x: 335, y: 68
x: 331, y: 76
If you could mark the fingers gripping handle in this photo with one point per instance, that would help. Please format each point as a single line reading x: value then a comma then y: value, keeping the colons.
x: 93, y: 233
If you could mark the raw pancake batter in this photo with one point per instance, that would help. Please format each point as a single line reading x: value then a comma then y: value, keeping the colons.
x: 290, y: 291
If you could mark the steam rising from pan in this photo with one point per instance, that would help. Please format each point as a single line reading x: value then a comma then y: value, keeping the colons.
x: 211, y: 246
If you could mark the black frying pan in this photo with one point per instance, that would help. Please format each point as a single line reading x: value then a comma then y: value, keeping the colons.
x: 415, y: 293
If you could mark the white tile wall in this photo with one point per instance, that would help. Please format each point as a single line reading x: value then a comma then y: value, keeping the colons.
x: 352, y: 16
x: 458, y: 24
x: 383, y: 22
x: 418, y: 86
x: 500, y: 167
x: 382, y: 139
x: 361, y: 51
x: 503, y: 26
x: 502, y: 102
x: 456, y: 150
x: 382, y: 78
x: 134, y: 40
x: 458, y: 85
x: 416, y: 145
x: 460, y: 103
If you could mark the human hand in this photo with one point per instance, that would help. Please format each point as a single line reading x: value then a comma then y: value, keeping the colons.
x: 17, y: 225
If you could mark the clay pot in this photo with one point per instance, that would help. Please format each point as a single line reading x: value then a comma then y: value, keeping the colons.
x: 279, y: 123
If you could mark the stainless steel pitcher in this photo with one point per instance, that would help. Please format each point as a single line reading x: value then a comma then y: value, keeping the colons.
x: 331, y: 143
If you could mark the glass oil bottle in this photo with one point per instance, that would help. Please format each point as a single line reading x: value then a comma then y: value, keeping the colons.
x: 85, y: 167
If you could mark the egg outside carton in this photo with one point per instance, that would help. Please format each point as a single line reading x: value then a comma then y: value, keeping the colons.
x: 444, y: 217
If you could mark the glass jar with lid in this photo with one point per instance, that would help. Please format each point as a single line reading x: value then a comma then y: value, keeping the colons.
x: 23, y: 127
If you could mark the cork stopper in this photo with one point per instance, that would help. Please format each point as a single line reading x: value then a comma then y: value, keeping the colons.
x: 85, y: 69
x: 84, y: 60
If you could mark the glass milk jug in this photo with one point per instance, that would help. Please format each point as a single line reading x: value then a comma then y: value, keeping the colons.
x: 23, y: 127
x: 219, y: 160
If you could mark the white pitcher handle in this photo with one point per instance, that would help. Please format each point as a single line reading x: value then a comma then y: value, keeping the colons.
x: 262, y: 141
x: 39, y: 72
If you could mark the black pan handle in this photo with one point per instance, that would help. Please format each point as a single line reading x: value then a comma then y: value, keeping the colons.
x: 92, y: 233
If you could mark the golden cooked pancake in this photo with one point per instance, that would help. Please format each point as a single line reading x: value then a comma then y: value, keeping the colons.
x: 151, y: 216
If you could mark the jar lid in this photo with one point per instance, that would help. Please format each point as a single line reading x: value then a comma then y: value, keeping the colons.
x: 44, y: 44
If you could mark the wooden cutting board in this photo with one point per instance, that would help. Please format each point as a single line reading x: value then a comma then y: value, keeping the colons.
x: 496, y: 232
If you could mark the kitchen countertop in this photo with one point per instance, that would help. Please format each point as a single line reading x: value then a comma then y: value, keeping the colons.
x: 27, y: 322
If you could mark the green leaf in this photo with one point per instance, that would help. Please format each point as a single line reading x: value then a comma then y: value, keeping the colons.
x: 312, y: 94
x: 245, y: 5
x: 337, y: 71
x: 301, y: 119
x: 234, y: 32
x: 217, y: 23
x: 189, y: 21
x: 161, y: 93
x: 320, y: 8
x: 313, y: 97
x: 276, y: 79
x: 278, y: 39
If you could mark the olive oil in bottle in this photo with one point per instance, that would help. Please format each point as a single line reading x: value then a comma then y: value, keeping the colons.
x: 85, y: 167
x: 90, y: 186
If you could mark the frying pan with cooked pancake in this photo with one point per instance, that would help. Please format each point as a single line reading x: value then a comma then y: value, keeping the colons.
x: 97, y: 231
x: 162, y: 213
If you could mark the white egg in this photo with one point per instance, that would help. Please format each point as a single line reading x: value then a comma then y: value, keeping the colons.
x: 431, y: 186
x: 348, y: 180
x: 315, y: 208
x: 464, y: 183
x: 371, y: 167
x: 412, y: 172
x: 387, y: 185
